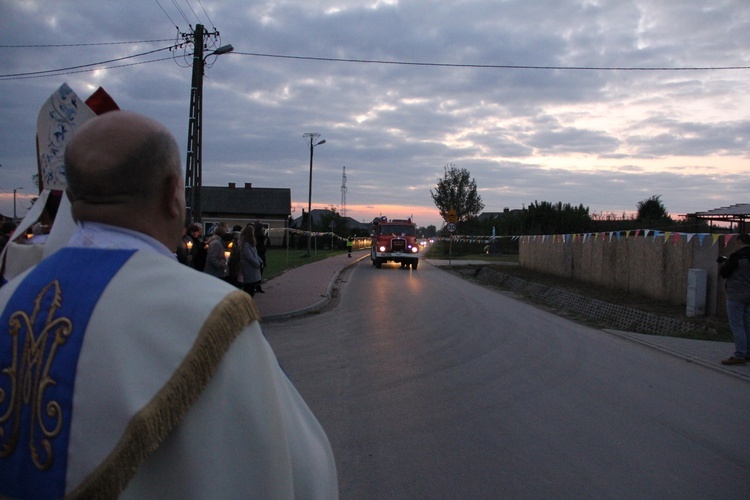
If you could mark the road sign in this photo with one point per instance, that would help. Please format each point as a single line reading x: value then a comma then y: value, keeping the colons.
x: 451, y: 227
x: 451, y: 216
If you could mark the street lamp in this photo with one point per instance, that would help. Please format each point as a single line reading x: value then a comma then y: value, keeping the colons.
x: 313, y: 137
x: 15, y: 218
x: 224, y: 49
x: 193, y: 163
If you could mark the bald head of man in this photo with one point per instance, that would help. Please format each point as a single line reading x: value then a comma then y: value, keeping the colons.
x: 123, y: 169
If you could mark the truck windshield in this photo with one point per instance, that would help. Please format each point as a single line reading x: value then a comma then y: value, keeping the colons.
x: 398, y: 229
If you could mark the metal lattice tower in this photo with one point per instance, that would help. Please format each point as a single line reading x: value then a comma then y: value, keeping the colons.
x: 343, y: 193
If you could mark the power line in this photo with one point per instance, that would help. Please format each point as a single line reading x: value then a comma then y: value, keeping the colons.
x: 193, y: 11
x: 53, y: 45
x: 182, y: 13
x: 3, y: 78
x: 71, y: 68
x: 91, y: 67
x: 496, y: 66
x: 207, y: 16
x: 165, y: 13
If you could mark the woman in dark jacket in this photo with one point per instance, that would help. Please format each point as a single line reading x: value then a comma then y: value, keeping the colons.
x: 216, y: 261
x: 260, y: 246
x: 250, y: 262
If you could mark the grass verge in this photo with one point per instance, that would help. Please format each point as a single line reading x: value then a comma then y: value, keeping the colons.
x: 279, y: 260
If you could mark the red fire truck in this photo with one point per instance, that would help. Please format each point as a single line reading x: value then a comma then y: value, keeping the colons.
x: 394, y: 240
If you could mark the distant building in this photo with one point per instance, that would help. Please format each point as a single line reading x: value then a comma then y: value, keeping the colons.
x: 516, y: 212
x: 351, y: 223
x: 243, y: 205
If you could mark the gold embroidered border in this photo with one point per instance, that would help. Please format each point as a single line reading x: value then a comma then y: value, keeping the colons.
x: 153, y: 423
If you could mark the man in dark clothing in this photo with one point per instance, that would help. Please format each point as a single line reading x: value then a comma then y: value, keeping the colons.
x: 736, y: 271
x: 196, y: 247
x: 6, y: 231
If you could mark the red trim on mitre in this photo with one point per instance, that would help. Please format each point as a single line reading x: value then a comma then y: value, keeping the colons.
x: 100, y: 102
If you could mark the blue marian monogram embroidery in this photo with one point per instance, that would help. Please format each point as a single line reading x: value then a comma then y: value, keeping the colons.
x: 36, y: 340
x: 42, y: 330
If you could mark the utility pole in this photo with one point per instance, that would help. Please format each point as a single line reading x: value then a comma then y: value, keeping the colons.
x: 193, y: 167
x: 15, y: 218
x: 343, y: 193
x: 313, y: 136
x: 194, y: 160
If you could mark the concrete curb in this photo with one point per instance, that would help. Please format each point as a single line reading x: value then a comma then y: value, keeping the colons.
x: 320, y: 304
x: 713, y: 365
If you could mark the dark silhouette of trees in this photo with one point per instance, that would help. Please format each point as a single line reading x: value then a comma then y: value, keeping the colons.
x: 652, y: 210
x: 555, y: 218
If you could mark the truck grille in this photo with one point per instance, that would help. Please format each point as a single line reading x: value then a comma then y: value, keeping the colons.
x: 398, y: 245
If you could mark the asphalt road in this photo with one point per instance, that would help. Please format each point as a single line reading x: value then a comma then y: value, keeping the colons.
x: 430, y: 386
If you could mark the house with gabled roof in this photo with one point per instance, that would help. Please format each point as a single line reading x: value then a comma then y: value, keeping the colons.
x: 351, y: 223
x: 242, y: 205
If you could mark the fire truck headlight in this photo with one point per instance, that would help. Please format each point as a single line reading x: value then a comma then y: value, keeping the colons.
x: 414, y: 249
x: 381, y: 248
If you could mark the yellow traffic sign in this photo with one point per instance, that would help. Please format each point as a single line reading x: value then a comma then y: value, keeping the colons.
x: 451, y: 216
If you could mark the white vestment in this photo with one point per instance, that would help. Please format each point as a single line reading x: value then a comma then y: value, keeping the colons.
x: 248, y: 433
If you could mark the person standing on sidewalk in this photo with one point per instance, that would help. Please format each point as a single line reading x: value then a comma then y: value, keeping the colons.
x: 349, y: 245
x: 260, y: 247
x: 196, y: 247
x: 216, y: 260
x: 250, y: 261
x: 736, y: 271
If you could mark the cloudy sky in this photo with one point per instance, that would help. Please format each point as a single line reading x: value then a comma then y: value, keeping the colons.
x: 599, y: 102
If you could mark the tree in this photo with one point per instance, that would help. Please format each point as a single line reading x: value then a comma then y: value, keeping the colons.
x: 457, y: 191
x: 652, y: 210
x: 427, y: 232
x: 331, y: 216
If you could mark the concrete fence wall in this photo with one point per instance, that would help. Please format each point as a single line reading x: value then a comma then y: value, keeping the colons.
x: 651, y: 264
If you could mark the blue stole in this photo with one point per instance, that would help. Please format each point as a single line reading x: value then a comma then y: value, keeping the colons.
x: 41, y: 333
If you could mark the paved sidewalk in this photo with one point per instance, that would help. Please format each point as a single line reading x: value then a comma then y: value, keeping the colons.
x: 307, y: 289
x: 303, y: 290
x: 703, y: 352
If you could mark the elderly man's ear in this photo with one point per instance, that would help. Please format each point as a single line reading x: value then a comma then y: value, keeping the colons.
x: 174, y: 196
